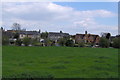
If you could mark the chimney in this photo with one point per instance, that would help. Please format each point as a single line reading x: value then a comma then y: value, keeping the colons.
x: 60, y: 31
x: 39, y: 31
x: 85, y: 32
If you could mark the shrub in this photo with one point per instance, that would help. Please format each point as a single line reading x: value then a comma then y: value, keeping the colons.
x: 53, y: 43
x: 116, y: 43
x: 69, y: 43
x: 44, y: 35
x: 81, y: 44
x: 76, y: 45
x: 104, y: 42
x: 26, y: 41
x: 62, y: 42
x: 18, y: 42
x: 5, y: 40
x: 48, y: 42
x: 36, y: 42
x: 16, y: 35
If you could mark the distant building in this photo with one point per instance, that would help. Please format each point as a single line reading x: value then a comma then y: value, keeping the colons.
x: 22, y: 34
x: 54, y: 36
x: 57, y: 35
x: 87, y: 38
x: 113, y: 37
x: 7, y: 34
x: 12, y: 31
x: 118, y: 36
x: 29, y: 34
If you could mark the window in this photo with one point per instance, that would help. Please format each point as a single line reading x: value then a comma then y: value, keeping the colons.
x: 21, y: 35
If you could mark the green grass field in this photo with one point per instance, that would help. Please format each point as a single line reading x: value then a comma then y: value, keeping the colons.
x: 59, y: 62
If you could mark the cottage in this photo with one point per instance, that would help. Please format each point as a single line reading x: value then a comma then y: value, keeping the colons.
x: 57, y: 35
x: 29, y: 34
x: 87, y: 38
x: 113, y: 37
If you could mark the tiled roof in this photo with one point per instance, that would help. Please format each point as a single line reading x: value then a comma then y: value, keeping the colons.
x: 57, y: 34
x: 88, y: 35
x: 29, y: 32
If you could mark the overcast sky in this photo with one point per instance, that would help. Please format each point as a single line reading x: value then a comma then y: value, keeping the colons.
x: 70, y: 17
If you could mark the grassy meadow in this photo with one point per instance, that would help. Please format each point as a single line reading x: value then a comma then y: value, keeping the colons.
x: 59, y: 62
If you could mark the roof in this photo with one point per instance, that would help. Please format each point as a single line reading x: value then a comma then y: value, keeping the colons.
x: 112, y: 37
x: 29, y: 32
x: 87, y: 34
x: 13, y: 31
x: 9, y: 34
x: 117, y: 35
x: 58, y: 34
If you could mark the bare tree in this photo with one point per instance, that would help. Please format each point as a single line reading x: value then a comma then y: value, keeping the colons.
x: 103, y: 34
x: 106, y: 35
x: 16, y: 26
